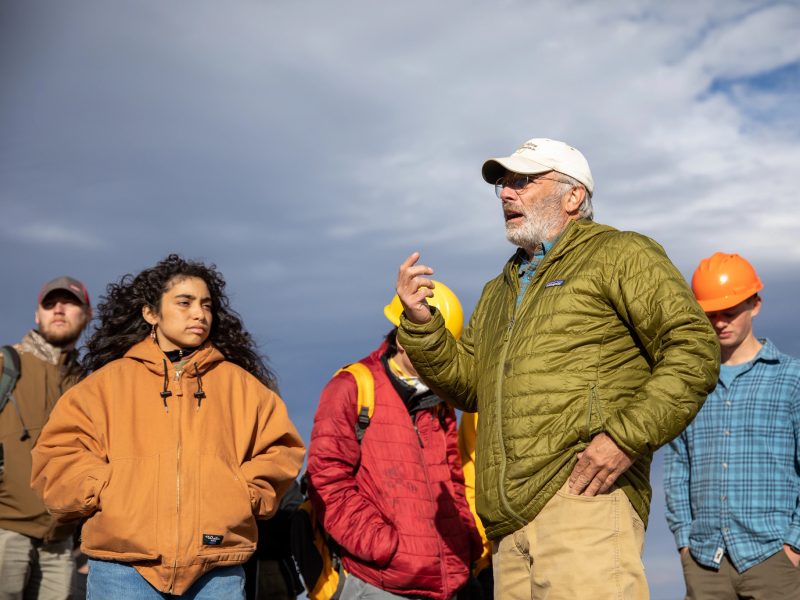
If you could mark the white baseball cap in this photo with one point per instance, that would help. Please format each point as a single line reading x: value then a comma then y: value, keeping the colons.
x: 540, y: 155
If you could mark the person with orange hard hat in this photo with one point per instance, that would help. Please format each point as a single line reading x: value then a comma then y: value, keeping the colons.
x: 732, y: 478
x: 388, y: 485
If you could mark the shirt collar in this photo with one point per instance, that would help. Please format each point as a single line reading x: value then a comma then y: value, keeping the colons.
x: 768, y: 352
x: 525, y: 262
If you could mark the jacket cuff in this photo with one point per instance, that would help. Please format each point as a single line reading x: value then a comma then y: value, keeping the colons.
x: 261, y: 508
x: 382, y: 559
x: 421, y: 329
x: 612, y: 427
x: 99, y: 478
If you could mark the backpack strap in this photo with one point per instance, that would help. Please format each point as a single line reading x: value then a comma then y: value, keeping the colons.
x: 8, y: 380
x: 366, y: 395
x: 315, y: 552
x: 11, y: 368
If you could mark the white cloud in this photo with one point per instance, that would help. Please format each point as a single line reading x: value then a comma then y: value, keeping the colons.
x: 760, y: 41
x: 628, y: 84
x: 53, y: 234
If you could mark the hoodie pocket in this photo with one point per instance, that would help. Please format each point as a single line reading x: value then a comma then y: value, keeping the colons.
x: 126, y: 521
x: 225, y: 515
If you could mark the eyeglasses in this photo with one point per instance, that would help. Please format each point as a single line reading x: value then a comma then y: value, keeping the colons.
x: 518, y: 182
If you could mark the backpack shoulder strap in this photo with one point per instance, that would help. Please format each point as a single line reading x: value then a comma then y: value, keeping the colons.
x: 10, y: 375
x: 366, y: 395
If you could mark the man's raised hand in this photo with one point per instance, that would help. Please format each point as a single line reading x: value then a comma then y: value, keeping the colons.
x: 413, y: 287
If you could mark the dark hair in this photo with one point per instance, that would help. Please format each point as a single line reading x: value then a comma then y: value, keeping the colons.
x: 121, y: 324
x: 391, y: 342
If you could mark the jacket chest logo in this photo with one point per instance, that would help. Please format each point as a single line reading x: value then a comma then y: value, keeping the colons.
x: 554, y: 283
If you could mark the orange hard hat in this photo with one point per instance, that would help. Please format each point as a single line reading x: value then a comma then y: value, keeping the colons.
x: 722, y: 281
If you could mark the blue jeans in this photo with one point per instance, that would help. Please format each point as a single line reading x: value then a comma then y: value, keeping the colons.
x: 119, y: 581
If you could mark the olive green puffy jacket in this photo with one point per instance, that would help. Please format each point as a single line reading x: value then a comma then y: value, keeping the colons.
x: 608, y: 338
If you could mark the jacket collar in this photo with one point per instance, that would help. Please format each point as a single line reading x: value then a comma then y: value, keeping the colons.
x: 414, y: 400
x: 34, y: 343
x: 150, y: 355
x: 574, y: 234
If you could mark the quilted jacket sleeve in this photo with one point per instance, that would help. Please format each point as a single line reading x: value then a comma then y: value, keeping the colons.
x: 69, y: 460
x: 333, y: 460
x: 446, y: 365
x: 653, y: 298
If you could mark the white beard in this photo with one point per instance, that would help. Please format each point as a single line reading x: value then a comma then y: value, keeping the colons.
x: 540, y: 224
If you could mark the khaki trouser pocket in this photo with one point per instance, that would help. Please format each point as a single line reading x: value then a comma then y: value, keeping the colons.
x: 576, y: 547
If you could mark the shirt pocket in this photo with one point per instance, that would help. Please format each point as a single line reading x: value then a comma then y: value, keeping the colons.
x: 224, y: 512
x: 126, y: 521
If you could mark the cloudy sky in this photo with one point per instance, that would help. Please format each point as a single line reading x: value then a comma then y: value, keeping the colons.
x: 307, y: 147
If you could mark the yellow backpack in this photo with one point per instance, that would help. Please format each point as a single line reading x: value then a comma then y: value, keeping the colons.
x: 316, y: 554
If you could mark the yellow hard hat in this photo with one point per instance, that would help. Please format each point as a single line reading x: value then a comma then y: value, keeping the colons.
x: 443, y: 299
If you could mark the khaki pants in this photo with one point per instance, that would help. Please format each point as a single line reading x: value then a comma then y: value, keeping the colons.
x: 576, y: 548
x: 774, y: 578
x: 32, y: 570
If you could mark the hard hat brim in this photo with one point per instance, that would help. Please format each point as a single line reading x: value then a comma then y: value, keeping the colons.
x: 394, y: 318
x: 725, y: 303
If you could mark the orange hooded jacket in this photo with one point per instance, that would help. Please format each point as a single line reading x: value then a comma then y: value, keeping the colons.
x: 171, y: 469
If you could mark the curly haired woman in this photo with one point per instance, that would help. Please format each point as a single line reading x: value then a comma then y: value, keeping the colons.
x: 173, y: 446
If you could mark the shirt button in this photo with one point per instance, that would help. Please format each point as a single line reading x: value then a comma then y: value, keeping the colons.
x: 727, y: 432
x: 727, y: 402
x: 723, y: 498
x: 725, y: 530
x: 724, y: 465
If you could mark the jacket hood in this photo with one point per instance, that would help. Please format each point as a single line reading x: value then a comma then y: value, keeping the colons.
x: 150, y: 355
x: 575, y: 234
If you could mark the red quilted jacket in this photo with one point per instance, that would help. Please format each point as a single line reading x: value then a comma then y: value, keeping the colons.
x: 395, y: 503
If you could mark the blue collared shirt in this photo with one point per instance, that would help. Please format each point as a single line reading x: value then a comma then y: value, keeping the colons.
x: 732, y: 478
x: 527, y: 266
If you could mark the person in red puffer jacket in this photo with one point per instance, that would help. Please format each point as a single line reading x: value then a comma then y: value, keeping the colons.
x: 395, y: 500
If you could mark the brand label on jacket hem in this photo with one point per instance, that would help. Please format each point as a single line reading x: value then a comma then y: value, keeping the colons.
x: 210, y: 539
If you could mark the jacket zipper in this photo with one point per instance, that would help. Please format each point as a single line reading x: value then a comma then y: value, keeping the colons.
x: 177, y: 489
x: 419, y: 437
x: 499, y: 418
x: 594, y: 406
x: 432, y: 500
x: 529, y: 290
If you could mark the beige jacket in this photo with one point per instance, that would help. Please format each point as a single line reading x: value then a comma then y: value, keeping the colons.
x: 40, y: 384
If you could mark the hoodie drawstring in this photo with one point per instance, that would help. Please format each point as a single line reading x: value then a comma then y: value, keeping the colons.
x: 199, y: 394
x: 166, y: 393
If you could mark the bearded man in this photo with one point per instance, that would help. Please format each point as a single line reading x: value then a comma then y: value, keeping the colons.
x: 35, y: 552
x: 582, y: 357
